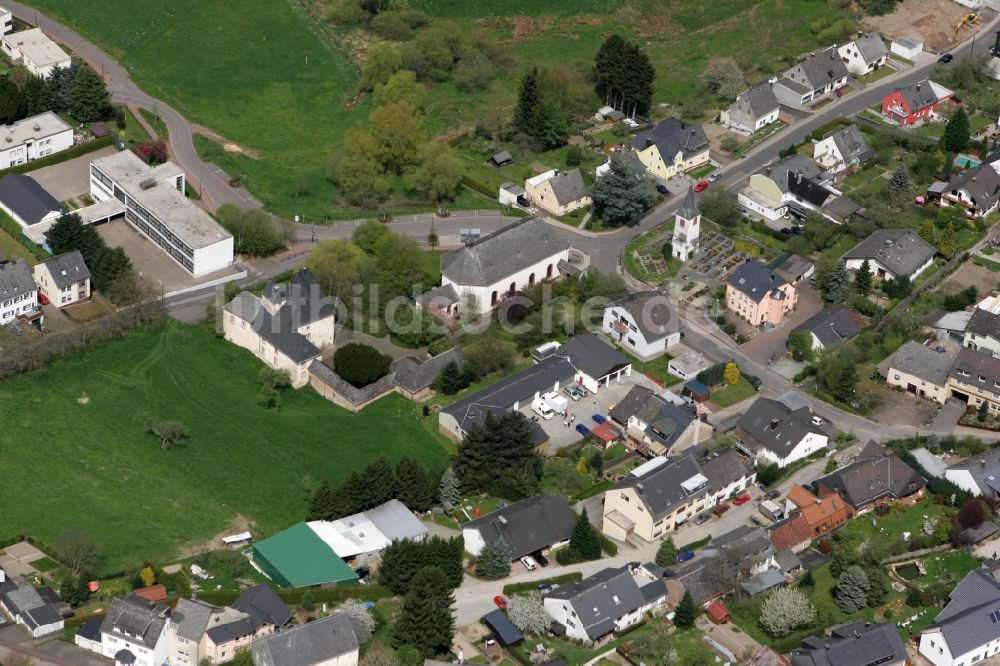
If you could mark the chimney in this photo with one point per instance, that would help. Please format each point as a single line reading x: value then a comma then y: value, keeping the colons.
x: 867, y: 624
x: 857, y: 634
x: 918, y: 86
x: 774, y: 422
x: 982, y: 462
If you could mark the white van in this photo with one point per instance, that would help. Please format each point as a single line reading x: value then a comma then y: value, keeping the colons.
x: 541, y: 407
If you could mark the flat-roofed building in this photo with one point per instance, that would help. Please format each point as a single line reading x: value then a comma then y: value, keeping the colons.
x: 6, y: 21
x: 39, y: 54
x: 155, y: 204
x: 32, y: 138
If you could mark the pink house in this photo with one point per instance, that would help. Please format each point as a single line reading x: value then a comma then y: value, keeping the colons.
x: 758, y: 295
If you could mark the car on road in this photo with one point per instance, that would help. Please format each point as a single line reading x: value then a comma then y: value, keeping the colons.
x: 720, y: 508
x: 701, y: 186
x: 500, y: 602
x: 742, y: 499
x: 662, y: 189
x: 541, y: 559
x: 715, y: 176
x: 702, y: 517
x: 685, y: 556
x: 772, y: 494
x: 529, y: 563
x: 945, y: 59
x: 818, y: 420
x: 43, y: 299
x: 598, y: 419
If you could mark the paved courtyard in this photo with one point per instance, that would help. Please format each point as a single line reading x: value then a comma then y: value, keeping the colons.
x: 767, y: 345
x: 904, y: 408
x: 16, y: 559
x: 70, y: 179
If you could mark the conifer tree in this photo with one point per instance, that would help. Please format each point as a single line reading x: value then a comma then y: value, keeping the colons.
x: 413, y: 486
x: 380, y: 483
x: 425, y: 621
x: 684, y: 614
x: 863, y: 279
x: 494, y: 561
x: 321, y: 502
x: 956, y: 132
x: 448, y: 490
x: 583, y: 541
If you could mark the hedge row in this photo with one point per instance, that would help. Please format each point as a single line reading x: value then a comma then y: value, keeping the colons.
x: 607, y: 545
x: 320, y: 595
x: 478, y: 186
x: 61, y: 156
x: 694, y: 545
x: 530, y: 586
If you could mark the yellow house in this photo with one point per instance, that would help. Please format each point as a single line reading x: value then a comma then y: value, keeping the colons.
x: 558, y: 192
x: 919, y: 370
x: 671, y: 148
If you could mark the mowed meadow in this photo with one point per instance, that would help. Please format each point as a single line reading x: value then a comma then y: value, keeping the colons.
x: 87, y: 462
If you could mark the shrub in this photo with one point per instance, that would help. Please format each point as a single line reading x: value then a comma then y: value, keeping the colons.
x: 359, y: 364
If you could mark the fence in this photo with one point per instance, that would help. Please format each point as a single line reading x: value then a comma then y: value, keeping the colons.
x: 917, y: 554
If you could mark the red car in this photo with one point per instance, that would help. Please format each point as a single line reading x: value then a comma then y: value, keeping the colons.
x: 500, y: 602
x: 742, y: 499
x: 703, y: 185
x: 43, y: 299
x: 720, y: 509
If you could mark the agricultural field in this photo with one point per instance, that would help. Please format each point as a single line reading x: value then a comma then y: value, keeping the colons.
x: 280, y: 83
x: 75, y: 444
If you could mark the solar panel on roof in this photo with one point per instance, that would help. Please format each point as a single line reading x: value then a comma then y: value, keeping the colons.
x: 995, y: 616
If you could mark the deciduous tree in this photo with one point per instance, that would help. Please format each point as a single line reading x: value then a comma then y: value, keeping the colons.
x: 77, y: 550
x: 723, y: 77
x: 396, y: 128
x: 382, y: 61
x: 946, y: 242
x: 437, y: 173
x: 719, y: 206
x: 364, y: 620
x: 357, y: 170
x: 401, y: 86
x: 170, y: 433
x: 784, y: 610
x: 527, y: 613
x: 336, y: 265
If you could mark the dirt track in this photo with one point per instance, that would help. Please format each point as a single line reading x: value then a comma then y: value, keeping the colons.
x: 933, y: 20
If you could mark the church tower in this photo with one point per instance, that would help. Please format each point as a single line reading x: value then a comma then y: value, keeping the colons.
x: 687, y: 227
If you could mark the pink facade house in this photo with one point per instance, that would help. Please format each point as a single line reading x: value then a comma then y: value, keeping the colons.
x: 758, y: 295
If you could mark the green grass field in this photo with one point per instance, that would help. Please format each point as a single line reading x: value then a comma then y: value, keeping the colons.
x: 730, y: 395
x: 91, y: 465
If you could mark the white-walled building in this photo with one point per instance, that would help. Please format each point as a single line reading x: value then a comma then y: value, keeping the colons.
x: 497, y: 266
x: 18, y: 292
x: 558, y: 192
x: 865, y: 54
x: 892, y: 253
x: 610, y: 600
x: 671, y: 148
x: 33, y: 138
x: 330, y: 641
x: 64, y: 279
x: 967, y: 630
x: 30, y: 607
x: 6, y: 21
x: 39, y: 54
x: 643, y: 322
x: 687, y: 228
x: 773, y: 432
x: 841, y: 149
x: 136, y: 631
x: 753, y: 110
x: 154, y: 202
x: 908, y: 47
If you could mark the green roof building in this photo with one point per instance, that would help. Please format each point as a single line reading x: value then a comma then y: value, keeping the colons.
x: 297, y: 557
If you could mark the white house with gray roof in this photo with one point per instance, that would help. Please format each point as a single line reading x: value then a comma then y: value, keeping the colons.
x: 841, y: 149
x: 976, y: 190
x: 817, y: 74
x: 920, y: 370
x: 611, y: 600
x: 535, y: 524
x: 486, y: 271
x: 6, y: 21
x: 656, y: 424
x: 769, y: 191
x: 64, y: 279
x: 830, y: 327
x: 979, y: 475
x: 27, y: 202
x: 329, y: 641
x: 967, y: 631
x: 558, y: 192
x: 892, y: 253
x: 18, y: 292
x: 29, y: 607
x: 136, y: 631
x: 33, y: 138
x: 644, y: 322
x: 860, y: 643
x: 753, y: 110
x: 772, y: 432
x: 865, y: 54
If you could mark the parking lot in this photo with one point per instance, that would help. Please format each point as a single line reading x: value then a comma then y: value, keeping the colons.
x: 70, y: 179
x: 561, y: 435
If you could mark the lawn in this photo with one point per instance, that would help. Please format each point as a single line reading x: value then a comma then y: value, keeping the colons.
x: 655, y: 368
x: 730, y: 395
x: 986, y: 263
x: 10, y: 246
x: 91, y: 465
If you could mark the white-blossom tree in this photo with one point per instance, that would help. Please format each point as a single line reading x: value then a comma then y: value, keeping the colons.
x: 364, y: 621
x: 528, y: 613
x: 786, y: 609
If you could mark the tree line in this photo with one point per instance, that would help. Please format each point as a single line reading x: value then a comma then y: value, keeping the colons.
x: 377, y: 483
x: 110, y: 268
x: 77, y: 90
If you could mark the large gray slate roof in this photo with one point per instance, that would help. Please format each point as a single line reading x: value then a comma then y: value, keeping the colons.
x: 308, y: 644
x: 790, y: 167
x: 756, y: 280
x: 138, y: 619
x: 982, y: 184
x: 922, y: 362
x: 497, y: 256
x: 414, y: 374
x: 528, y: 525
x: 29, y: 200
x: 985, y: 323
x: 263, y: 606
x: 860, y: 643
x: 67, y: 268
x: 774, y: 426
x: 873, y: 475
x: 191, y: 617
x: 602, y: 598
x: 851, y: 145
x: 652, y: 313
x: 819, y: 69
x: 902, y: 251
x: 16, y: 280
x: 831, y: 326
x: 966, y: 622
x: 871, y: 47
x: 723, y: 469
x: 568, y: 186
x: 660, y: 489
x: 976, y: 368
x: 673, y: 136
x: 754, y: 103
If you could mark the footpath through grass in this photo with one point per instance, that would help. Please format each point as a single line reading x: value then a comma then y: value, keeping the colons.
x: 91, y: 465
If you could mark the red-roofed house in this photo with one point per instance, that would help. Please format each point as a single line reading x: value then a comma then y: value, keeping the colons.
x: 915, y: 103
x: 152, y: 593
x: 823, y: 514
x: 793, y: 534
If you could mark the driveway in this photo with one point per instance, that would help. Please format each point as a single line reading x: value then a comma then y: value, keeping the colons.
x: 948, y: 415
x: 70, y: 179
x: 772, y: 344
x: 904, y: 407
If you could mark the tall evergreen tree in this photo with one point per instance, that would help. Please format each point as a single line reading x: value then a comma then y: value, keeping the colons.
x: 863, y: 279
x: 109, y: 266
x: 399, y: 561
x: 37, y: 97
x: 684, y: 614
x: 413, y: 487
x: 623, y: 76
x: 59, y: 82
x: 505, y: 443
x: 927, y: 231
x: 380, y: 483
x: 12, y: 103
x: 527, y: 113
x: 956, y: 132
x: 900, y: 183
x: 321, y: 502
x: 619, y: 197
x: 349, y: 496
x: 946, y: 243
x: 66, y: 234
x: 425, y: 621
x: 494, y: 561
x: 838, y: 284
x: 666, y: 554
x: 88, y: 97
x: 583, y: 540
x: 448, y: 490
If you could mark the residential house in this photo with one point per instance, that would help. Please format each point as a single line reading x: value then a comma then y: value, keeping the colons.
x: 865, y: 54
x: 644, y: 322
x: 892, y: 253
x: 558, y: 192
x: 359, y: 539
x: 18, y: 292
x: 758, y: 295
x: 35, y: 609
x: 795, y: 268
x: 286, y: 327
x: 671, y: 148
x: 753, y: 110
x: 976, y: 190
x: 687, y: 364
x: 611, y: 600
x: 656, y: 424
x: 64, y: 279
x: 874, y: 478
x: 6, y: 21
x: 329, y: 641
x: 920, y: 370
x: 497, y: 266
x: 916, y: 103
x: 817, y: 74
x: 979, y: 475
x: 27, y: 202
x: 841, y: 149
x: 742, y: 556
x: 33, y: 138
x: 967, y: 630
x: 267, y: 612
x: 39, y: 54
x: 536, y: 524
x: 982, y: 332
x: 136, y: 631
x: 201, y: 631
x: 772, y: 432
x: 830, y: 327
x: 975, y: 378
x: 88, y: 636
x: 792, y: 185
x: 687, y: 228
x: 728, y: 474
x: 793, y: 534
x: 585, y: 360
x: 860, y: 643
x: 823, y: 514
x: 656, y: 498
x: 908, y: 47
